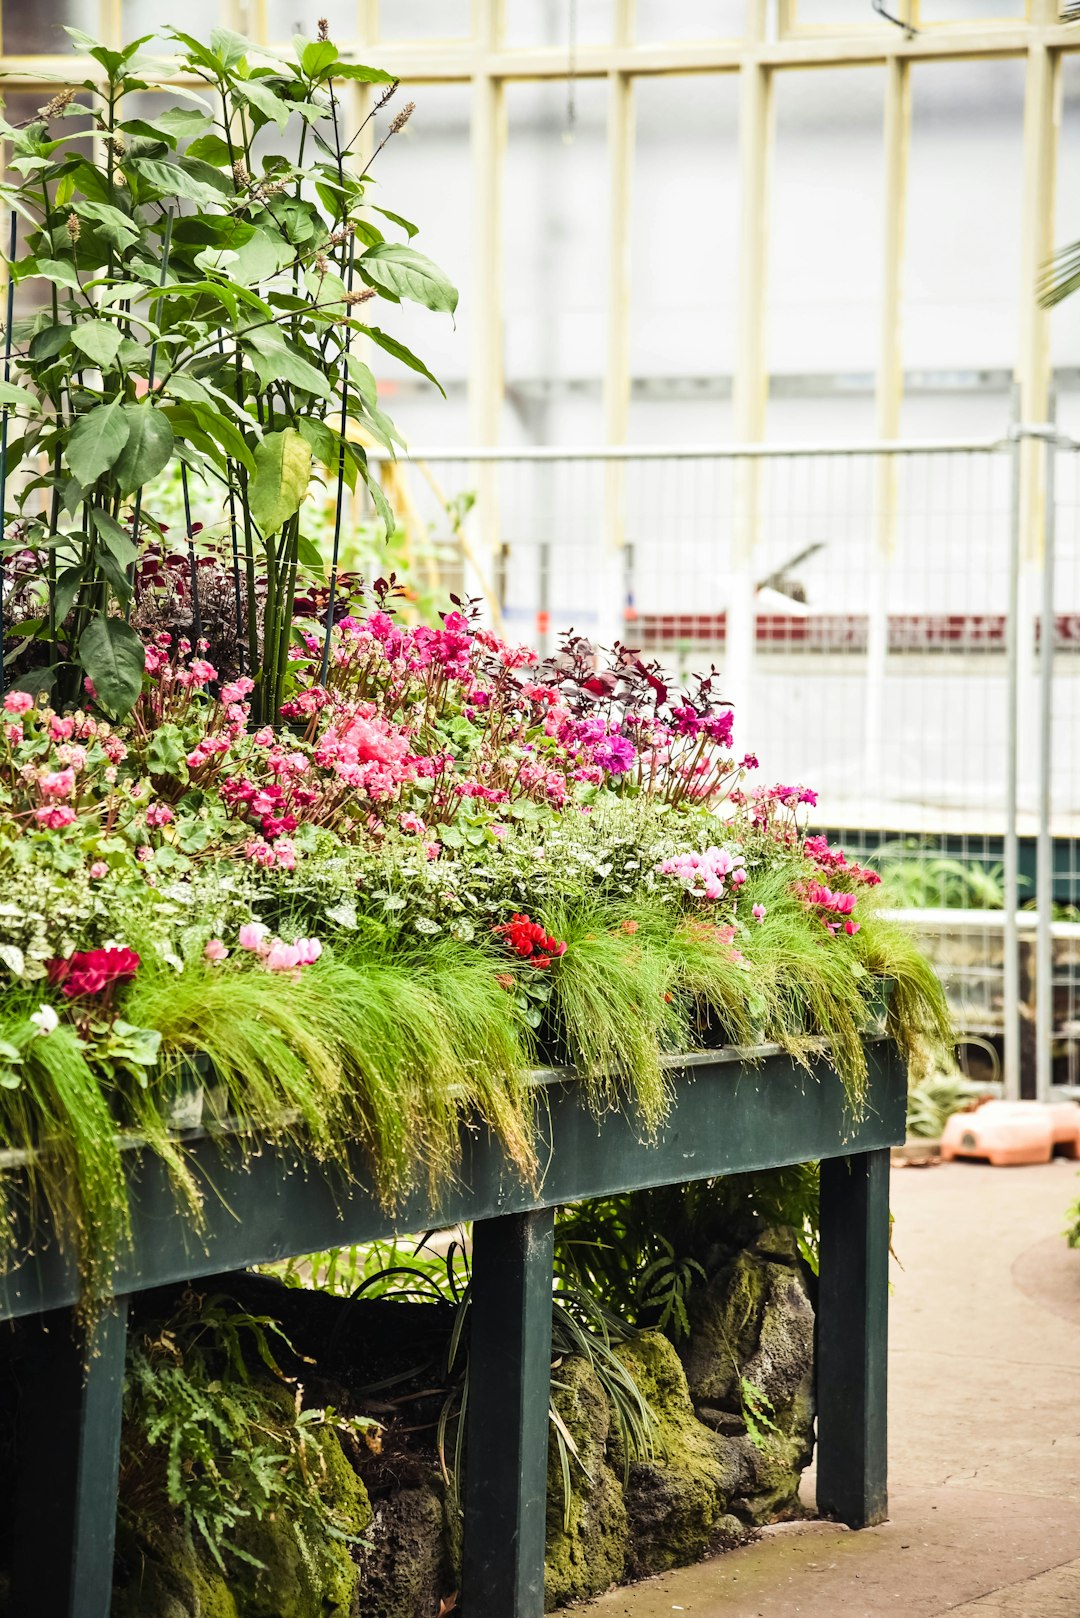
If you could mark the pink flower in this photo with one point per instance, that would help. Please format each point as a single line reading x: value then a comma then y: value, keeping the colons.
x: 309, y: 950
x: 432, y: 850
x: 159, y: 814
x: 144, y: 853
x: 237, y: 690
x: 758, y: 912
x: 282, y: 957
x: 214, y: 950
x: 61, y: 730
x: 62, y: 814
x: 89, y: 687
x: 264, y: 737
x: 203, y: 671
x: 285, y: 854
x: 252, y: 936
x: 412, y: 823
x: 58, y: 783
x: 98, y: 870
x: 18, y: 702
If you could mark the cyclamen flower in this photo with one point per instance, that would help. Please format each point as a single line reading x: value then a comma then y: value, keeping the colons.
x: 833, y: 904
x: 214, y: 950
x: 528, y: 940
x: 253, y: 937
x: 89, y: 972
x: 758, y: 912
x: 704, y: 875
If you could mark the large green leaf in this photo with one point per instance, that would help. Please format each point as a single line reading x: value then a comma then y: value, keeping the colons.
x: 148, y: 448
x: 282, y: 475
x: 390, y: 345
x: 173, y: 181
x: 99, y: 340
x: 265, y: 101
x: 408, y: 274
x: 316, y: 56
x: 12, y: 394
x: 274, y: 360
x: 361, y: 74
x: 113, y: 225
x: 113, y: 656
x: 116, y: 540
x: 97, y: 440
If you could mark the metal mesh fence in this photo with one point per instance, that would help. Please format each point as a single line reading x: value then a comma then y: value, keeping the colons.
x: 858, y: 603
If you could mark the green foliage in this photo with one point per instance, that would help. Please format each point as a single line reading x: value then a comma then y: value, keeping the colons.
x: 642, y: 1254
x: 194, y: 274
x: 915, y: 876
x: 933, y: 1100
x: 224, y: 1447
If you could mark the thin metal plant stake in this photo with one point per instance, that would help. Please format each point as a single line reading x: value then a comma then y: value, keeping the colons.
x: 196, y: 615
x: 12, y: 245
x: 136, y: 515
x: 325, y: 666
x: 237, y: 607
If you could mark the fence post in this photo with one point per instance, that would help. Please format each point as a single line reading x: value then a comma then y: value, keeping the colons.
x: 1044, y: 866
x: 1011, y: 1010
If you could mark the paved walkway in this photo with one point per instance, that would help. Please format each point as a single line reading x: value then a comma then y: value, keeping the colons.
x: 984, y: 1420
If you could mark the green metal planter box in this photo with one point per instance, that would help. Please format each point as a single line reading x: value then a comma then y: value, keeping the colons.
x: 730, y: 1114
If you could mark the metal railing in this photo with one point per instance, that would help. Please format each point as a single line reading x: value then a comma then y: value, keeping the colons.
x: 893, y: 627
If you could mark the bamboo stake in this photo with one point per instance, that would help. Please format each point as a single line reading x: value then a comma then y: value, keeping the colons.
x: 12, y: 245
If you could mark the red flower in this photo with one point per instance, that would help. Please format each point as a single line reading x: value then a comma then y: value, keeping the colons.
x: 529, y: 940
x: 93, y: 970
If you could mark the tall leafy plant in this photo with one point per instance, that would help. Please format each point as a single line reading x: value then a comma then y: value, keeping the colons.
x: 201, y: 277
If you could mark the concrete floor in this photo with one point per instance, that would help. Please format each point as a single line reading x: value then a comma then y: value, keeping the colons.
x: 984, y: 1416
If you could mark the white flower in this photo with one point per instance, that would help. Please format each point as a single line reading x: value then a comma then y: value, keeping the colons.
x: 45, y: 1020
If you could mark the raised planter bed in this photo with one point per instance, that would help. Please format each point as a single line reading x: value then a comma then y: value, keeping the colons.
x: 733, y: 1111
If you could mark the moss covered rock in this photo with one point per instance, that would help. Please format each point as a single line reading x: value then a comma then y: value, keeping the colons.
x: 586, y: 1533
x: 754, y: 1324
x: 163, y: 1574
x: 677, y: 1503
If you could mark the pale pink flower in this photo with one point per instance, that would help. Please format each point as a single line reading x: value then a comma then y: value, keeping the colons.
x: 55, y: 817
x: 412, y: 823
x: 282, y: 957
x: 758, y: 912
x: 18, y: 702
x: 237, y: 690
x: 432, y: 850
x: 159, y: 814
x: 253, y: 935
x: 309, y: 950
x: 61, y: 730
x: 98, y: 870
x: 58, y: 783
x: 214, y: 950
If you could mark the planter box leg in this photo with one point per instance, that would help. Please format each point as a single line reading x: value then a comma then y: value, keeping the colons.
x: 507, y: 1424
x: 852, y: 1339
x: 67, y: 1456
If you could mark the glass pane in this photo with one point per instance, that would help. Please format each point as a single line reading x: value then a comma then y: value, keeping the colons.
x: 685, y: 199
x: 970, y: 10
x: 38, y: 29
x: 424, y: 19
x: 837, y: 14
x: 564, y: 23
x: 825, y: 247
x: 1065, y: 318
x: 419, y: 175
x: 284, y: 18
x: 555, y: 246
x: 962, y: 265
x: 660, y: 21
x: 145, y: 17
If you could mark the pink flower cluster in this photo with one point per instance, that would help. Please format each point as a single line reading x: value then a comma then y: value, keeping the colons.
x: 706, y: 875
x: 832, y: 905
x: 834, y: 859
x: 277, y: 956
